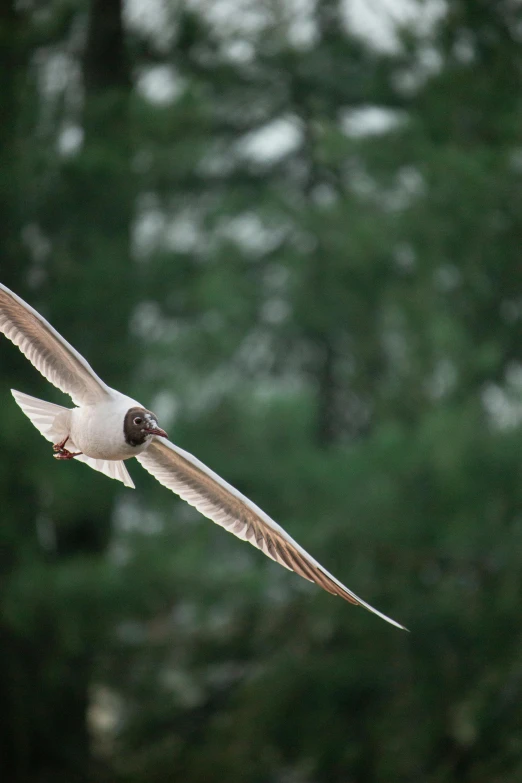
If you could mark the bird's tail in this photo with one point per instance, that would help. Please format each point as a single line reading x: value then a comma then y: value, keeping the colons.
x: 53, y: 422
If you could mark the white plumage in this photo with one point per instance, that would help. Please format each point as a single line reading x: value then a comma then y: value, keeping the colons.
x: 54, y: 423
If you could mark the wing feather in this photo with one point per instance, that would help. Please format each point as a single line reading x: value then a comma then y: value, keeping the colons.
x: 46, y: 349
x: 219, y: 501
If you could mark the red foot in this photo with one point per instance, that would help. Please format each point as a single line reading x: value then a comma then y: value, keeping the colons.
x: 63, y: 453
x: 60, y: 446
x: 66, y: 454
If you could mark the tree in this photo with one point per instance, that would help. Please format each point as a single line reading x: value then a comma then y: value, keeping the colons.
x: 63, y: 219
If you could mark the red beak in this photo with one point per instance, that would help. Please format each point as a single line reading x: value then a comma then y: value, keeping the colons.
x: 156, y: 431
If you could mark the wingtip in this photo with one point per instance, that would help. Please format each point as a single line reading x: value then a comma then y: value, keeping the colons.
x: 397, y: 625
x: 394, y: 622
x: 383, y: 616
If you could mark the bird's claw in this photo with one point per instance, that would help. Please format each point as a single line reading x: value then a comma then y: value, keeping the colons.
x: 62, y: 453
x: 65, y: 453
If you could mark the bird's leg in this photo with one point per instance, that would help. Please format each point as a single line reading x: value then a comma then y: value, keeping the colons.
x: 60, y: 452
x: 66, y: 454
x: 59, y: 446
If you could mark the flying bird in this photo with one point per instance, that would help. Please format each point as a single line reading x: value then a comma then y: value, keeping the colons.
x: 107, y: 427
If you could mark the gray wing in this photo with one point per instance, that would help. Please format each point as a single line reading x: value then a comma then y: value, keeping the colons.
x: 212, y: 496
x: 57, y: 361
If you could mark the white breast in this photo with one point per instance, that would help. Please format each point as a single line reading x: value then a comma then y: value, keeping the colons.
x: 97, y: 430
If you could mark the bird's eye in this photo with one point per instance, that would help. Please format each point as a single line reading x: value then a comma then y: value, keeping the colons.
x: 138, y: 420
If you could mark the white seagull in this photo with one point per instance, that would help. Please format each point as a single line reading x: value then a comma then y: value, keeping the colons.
x: 107, y: 428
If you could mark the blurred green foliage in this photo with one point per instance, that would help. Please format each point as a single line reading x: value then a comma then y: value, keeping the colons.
x: 332, y: 320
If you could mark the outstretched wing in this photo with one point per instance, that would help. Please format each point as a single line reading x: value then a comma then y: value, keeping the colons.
x: 219, y: 501
x: 57, y: 361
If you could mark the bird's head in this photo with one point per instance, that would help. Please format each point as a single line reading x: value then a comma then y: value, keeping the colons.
x: 140, y: 425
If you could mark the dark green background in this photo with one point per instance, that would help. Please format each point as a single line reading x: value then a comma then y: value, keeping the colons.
x: 335, y: 328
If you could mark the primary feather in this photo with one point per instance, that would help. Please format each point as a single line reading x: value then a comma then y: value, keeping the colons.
x: 195, y: 483
x: 46, y: 349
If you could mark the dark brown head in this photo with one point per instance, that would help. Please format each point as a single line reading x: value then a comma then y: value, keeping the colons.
x: 139, y: 425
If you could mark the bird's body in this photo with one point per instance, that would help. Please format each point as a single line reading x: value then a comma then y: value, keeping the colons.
x: 107, y: 427
x: 98, y: 432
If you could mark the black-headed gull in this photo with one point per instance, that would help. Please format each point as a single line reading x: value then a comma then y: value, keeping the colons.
x: 107, y: 428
